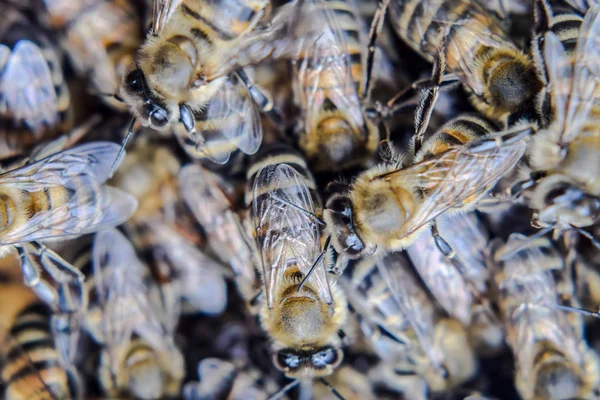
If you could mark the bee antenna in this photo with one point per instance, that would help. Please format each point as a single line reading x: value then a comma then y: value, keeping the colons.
x: 330, y: 387
x: 583, y: 311
x: 122, y: 149
x: 314, y: 266
x: 285, y: 389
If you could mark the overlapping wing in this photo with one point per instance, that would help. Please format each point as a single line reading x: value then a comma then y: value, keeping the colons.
x: 575, y: 81
x: 323, y: 69
x: 287, y: 235
x: 27, y: 87
x: 123, y: 293
x: 90, y: 205
x: 230, y: 121
x: 455, y: 178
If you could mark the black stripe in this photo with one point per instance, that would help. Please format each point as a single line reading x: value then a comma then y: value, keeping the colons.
x: 36, y: 308
x: 222, y: 35
x: 48, y: 198
x: 201, y: 35
x: 30, y: 368
x: 19, y: 349
x: 19, y: 327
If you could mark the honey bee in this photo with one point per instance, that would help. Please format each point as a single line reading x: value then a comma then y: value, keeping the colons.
x: 35, y: 100
x: 130, y: 317
x: 501, y: 80
x: 31, y: 365
x: 562, y: 186
x: 388, y: 206
x: 60, y: 196
x: 164, y: 233
x: 396, y: 314
x: 302, y: 313
x: 552, y: 361
x: 189, y: 71
x: 330, y: 82
x: 226, y: 379
x: 101, y: 38
x: 207, y: 195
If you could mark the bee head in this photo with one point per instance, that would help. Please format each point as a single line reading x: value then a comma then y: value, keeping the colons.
x: 338, y: 216
x: 143, y: 102
x: 560, y: 201
x: 310, y: 363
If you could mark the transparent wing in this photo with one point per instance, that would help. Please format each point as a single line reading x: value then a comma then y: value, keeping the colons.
x: 119, y: 277
x: 201, y: 279
x: 411, y: 298
x: 454, y: 177
x: 231, y: 120
x: 585, y: 92
x: 161, y: 11
x: 204, y: 193
x: 28, y: 88
x: 441, y: 277
x: 89, y: 208
x: 323, y: 70
x: 286, y: 236
x: 92, y: 160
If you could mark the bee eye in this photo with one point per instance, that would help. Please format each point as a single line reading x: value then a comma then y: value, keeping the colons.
x: 159, y: 117
x: 285, y: 360
x: 133, y: 80
x: 324, y: 358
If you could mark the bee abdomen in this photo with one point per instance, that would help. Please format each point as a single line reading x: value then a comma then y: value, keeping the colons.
x: 33, y: 369
x: 456, y: 132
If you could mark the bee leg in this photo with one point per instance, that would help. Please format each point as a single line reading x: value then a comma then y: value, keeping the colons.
x: 32, y: 277
x: 261, y: 99
x: 122, y: 149
x: 407, y: 98
x: 376, y: 26
x: 427, y: 105
x: 65, y: 329
x: 500, y: 139
x: 69, y: 278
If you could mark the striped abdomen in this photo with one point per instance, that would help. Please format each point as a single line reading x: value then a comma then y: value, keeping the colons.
x: 335, y: 133
x: 456, y: 132
x: 33, y: 370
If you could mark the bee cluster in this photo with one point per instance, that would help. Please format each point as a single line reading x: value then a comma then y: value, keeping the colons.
x: 328, y: 199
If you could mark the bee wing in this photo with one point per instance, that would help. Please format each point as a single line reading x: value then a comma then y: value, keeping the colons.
x: 93, y: 160
x: 323, y: 69
x: 90, y: 208
x: 444, y: 281
x: 285, y: 234
x: 203, y: 192
x: 161, y: 11
x: 455, y: 176
x: 585, y: 87
x: 119, y: 277
x: 231, y: 120
x: 28, y: 88
x: 410, y: 298
x: 202, y: 280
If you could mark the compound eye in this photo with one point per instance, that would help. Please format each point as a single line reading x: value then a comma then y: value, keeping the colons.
x: 133, y: 80
x: 159, y: 118
x: 285, y: 361
x: 324, y: 358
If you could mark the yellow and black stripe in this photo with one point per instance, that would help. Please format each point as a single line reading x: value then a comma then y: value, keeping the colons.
x: 32, y: 368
